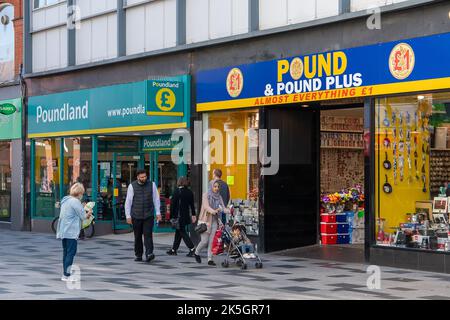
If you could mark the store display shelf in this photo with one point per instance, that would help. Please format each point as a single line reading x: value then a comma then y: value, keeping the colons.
x: 345, y: 131
x: 437, y: 149
x: 331, y: 147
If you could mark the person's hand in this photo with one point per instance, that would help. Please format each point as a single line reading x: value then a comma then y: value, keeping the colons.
x: 194, y: 219
x: 158, y: 218
x: 129, y: 221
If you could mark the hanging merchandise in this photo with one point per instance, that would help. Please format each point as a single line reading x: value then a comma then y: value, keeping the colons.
x: 415, y: 121
x: 417, y: 171
x: 387, y: 163
x: 394, y: 118
x: 424, y: 183
x: 386, y: 120
x: 387, y: 188
x: 401, y: 165
x: 395, y: 171
x: 386, y: 141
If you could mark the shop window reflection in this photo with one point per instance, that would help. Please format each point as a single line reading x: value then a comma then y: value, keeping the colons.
x: 5, y: 181
x: 47, y: 164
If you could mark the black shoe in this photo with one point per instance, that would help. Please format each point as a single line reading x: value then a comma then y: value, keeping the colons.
x: 191, y: 253
x: 138, y: 259
x: 150, y: 257
x: 171, y: 252
x: 198, y: 258
x: 211, y: 263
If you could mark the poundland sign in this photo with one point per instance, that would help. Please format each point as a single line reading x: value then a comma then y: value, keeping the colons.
x: 113, y: 109
x: 158, y: 143
x: 65, y: 113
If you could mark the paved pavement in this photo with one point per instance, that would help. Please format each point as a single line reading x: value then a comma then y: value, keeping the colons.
x: 30, y: 268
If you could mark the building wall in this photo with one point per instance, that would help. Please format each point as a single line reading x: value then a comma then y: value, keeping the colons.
x: 13, y: 91
x: 428, y: 20
x: 18, y: 32
x: 153, y: 25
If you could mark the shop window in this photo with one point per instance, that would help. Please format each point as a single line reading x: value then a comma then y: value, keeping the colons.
x: 78, y: 164
x: 6, y: 43
x: 233, y: 147
x: 47, y: 179
x: 44, y: 3
x: 412, y: 148
x: 5, y: 181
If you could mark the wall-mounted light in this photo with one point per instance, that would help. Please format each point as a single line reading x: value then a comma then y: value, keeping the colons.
x: 420, y: 97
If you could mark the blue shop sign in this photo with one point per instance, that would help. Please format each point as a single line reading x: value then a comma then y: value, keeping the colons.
x: 418, y: 64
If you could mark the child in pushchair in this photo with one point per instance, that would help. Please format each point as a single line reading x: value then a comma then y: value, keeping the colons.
x: 239, y: 247
x: 242, y: 242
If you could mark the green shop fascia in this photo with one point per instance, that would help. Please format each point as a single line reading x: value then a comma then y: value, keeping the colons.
x: 100, y: 137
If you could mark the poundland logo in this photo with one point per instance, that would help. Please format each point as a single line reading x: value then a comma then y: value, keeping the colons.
x: 65, y: 113
x: 160, y: 143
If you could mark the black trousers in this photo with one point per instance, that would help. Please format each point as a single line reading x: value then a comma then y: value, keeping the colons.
x: 144, y: 228
x: 182, y: 234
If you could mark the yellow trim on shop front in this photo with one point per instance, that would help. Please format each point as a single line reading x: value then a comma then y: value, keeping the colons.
x: 109, y: 130
x: 162, y: 113
x: 381, y: 89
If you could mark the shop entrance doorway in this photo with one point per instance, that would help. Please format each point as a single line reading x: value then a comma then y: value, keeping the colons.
x: 124, y: 170
x: 320, y: 182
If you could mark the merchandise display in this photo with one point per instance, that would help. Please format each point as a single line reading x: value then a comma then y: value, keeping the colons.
x: 412, y: 205
x: 342, y: 152
x: 439, y: 169
x: 342, y: 217
x: 246, y: 212
x: 420, y: 231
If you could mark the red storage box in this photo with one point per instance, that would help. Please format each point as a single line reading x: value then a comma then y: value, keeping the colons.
x: 329, y: 238
x: 329, y: 218
x: 329, y: 228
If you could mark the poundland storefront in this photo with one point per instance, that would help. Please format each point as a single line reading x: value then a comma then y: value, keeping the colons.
x: 364, y: 149
x: 100, y: 137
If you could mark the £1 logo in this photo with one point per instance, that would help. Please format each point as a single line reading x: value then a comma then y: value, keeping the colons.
x: 401, y: 61
x: 165, y: 99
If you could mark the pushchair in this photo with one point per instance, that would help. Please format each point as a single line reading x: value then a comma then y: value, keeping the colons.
x: 239, y: 249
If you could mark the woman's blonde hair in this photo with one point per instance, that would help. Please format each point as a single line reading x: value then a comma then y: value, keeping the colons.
x: 77, y: 190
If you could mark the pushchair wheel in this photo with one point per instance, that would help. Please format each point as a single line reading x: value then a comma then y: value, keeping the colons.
x: 239, y: 263
x: 244, y: 266
x: 258, y: 265
x: 225, y: 264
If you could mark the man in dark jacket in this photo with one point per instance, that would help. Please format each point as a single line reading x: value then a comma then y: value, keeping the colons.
x: 140, y: 206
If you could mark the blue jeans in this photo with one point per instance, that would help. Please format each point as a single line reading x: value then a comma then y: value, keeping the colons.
x: 69, y: 252
x: 247, y: 248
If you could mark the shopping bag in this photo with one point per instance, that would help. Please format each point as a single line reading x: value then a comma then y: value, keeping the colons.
x: 217, y: 244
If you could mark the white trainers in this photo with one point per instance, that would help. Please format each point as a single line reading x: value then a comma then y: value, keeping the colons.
x: 65, y: 278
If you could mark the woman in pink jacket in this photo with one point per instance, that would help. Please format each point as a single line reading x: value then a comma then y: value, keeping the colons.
x: 212, y: 206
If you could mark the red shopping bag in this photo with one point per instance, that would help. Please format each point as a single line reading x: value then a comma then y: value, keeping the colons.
x: 217, y: 244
